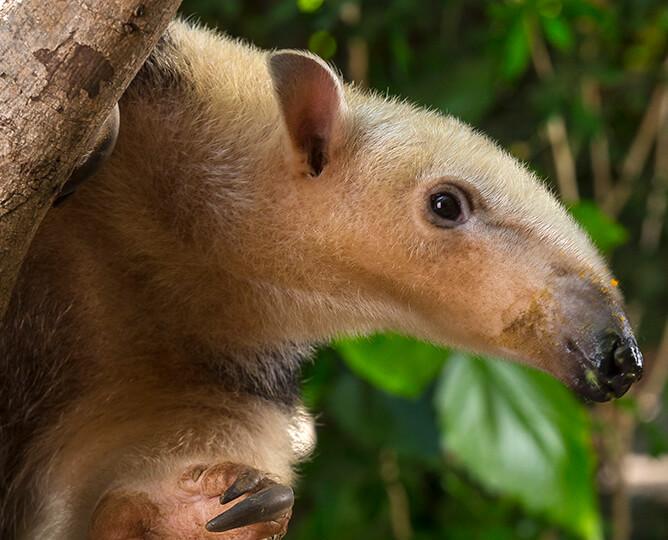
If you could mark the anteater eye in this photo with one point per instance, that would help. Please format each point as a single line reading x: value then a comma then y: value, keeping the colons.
x: 449, y: 208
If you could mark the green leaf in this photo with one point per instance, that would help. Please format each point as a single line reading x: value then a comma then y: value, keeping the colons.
x: 516, y: 51
x: 606, y: 233
x: 558, y: 33
x: 549, y: 8
x: 309, y: 6
x: 322, y: 43
x: 393, y: 363
x: 520, y: 433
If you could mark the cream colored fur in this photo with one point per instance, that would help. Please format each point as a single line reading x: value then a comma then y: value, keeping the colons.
x: 204, y: 227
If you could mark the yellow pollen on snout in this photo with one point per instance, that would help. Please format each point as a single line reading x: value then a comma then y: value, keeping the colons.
x: 614, y: 283
x: 591, y: 378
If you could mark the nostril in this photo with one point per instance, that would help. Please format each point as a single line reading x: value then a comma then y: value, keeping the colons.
x: 608, y: 343
x: 609, y: 366
x: 620, y: 360
x: 623, y: 358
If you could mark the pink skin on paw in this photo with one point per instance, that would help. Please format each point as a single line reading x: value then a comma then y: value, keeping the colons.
x: 178, y: 510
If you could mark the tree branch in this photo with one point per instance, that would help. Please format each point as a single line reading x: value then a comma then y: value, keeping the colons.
x: 65, y: 63
x: 396, y: 493
x: 599, y: 147
x: 656, y: 200
x: 636, y: 157
x: 564, y: 163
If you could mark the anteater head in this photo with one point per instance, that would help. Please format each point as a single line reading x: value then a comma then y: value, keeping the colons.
x: 444, y: 236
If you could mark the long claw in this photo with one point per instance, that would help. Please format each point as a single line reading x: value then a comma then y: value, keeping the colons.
x: 246, y: 482
x: 266, y: 505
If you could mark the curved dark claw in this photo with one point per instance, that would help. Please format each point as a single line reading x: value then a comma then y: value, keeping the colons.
x: 266, y: 505
x: 247, y: 481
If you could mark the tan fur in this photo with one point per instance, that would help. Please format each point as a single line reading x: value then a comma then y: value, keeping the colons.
x: 200, y: 230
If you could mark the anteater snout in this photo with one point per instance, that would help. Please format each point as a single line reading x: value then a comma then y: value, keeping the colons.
x: 604, y: 352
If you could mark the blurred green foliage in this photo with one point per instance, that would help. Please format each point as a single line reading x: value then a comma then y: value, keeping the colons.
x: 522, y: 434
x: 416, y: 442
x: 407, y: 366
x: 606, y: 233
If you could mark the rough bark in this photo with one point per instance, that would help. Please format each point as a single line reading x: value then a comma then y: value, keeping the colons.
x: 63, y: 66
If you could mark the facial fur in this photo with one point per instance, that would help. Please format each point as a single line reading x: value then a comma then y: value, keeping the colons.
x: 351, y: 249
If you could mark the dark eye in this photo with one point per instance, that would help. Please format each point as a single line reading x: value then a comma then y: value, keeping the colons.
x: 449, y: 208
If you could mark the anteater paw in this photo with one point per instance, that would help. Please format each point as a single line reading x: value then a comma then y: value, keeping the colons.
x: 261, y: 503
x: 221, y: 502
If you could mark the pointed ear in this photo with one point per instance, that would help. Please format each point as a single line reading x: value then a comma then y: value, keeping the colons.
x: 310, y: 97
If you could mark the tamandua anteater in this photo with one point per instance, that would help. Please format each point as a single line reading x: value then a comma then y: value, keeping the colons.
x: 255, y: 206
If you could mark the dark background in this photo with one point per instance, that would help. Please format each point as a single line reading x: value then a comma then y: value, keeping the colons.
x: 416, y: 442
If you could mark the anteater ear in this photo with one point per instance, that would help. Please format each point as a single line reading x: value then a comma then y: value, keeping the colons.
x: 310, y: 96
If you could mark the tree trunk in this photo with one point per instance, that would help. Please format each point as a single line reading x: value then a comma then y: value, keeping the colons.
x: 64, y: 64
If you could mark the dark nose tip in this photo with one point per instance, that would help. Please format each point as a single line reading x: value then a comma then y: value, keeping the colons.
x: 620, y: 362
